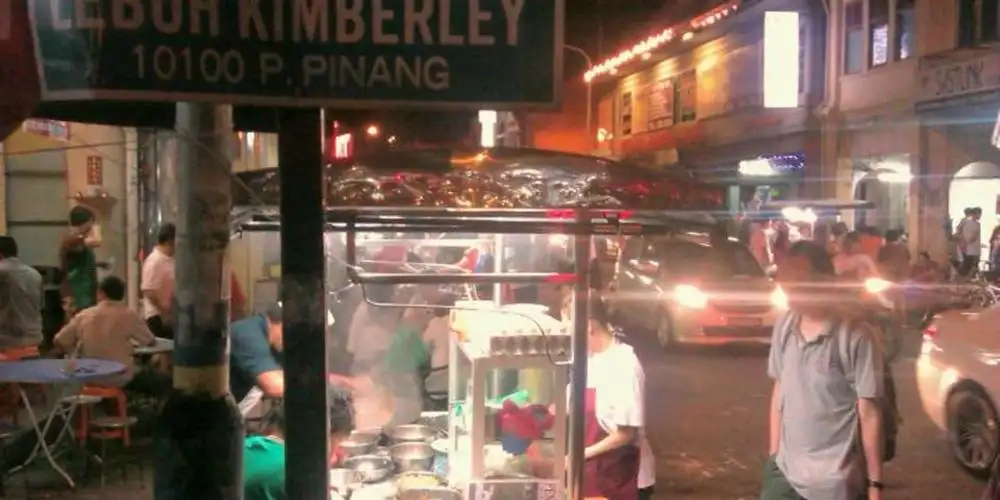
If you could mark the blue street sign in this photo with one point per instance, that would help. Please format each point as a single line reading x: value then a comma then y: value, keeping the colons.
x: 482, y: 54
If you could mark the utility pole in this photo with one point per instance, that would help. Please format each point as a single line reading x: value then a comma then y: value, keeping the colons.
x: 199, y: 439
x: 303, y: 295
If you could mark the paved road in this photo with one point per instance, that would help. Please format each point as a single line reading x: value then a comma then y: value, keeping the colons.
x: 707, y: 415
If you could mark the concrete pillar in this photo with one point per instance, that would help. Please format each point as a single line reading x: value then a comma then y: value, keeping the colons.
x: 199, y: 441
x: 935, y: 174
x: 133, y: 226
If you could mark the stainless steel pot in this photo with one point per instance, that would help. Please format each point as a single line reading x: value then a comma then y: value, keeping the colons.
x: 413, y: 433
x: 370, y: 468
x: 412, y: 457
x: 358, y: 445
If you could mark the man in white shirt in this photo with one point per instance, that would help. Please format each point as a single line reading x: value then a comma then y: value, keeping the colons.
x: 158, y: 283
x: 970, y: 240
x: 20, y: 299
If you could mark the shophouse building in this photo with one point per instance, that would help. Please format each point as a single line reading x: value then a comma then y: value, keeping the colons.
x: 728, y: 96
x: 914, y: 99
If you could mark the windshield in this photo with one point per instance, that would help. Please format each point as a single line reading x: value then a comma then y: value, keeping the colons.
x: 725, y: 259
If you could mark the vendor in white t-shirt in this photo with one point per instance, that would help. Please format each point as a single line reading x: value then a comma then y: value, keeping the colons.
x: 619, y: 463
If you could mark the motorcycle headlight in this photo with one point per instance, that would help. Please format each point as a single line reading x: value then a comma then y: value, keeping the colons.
x: 877, y: 285
x: 778, y: 298
x: 690, y: 296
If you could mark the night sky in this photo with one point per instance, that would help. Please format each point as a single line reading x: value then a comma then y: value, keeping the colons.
x: 623, y: 21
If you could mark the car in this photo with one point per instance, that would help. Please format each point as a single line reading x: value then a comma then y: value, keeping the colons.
x: 958, y: 381
x: 691, y: 290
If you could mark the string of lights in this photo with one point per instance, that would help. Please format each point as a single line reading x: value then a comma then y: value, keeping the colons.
x: 644, y: 49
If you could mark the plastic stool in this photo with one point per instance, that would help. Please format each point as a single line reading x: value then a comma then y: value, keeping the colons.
x: 109, y: 428
x: 121, y: 408
x: 68, y: 407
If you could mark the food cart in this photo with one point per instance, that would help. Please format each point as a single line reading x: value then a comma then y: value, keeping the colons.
x: 388, y: 215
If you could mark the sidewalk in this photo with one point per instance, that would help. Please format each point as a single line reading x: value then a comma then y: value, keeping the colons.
x: 44, y: 483
x: 40, y: 481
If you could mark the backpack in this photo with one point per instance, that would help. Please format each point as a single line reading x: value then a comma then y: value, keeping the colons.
x: 888, y: 405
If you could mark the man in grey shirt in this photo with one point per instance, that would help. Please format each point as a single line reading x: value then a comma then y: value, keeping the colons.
x: 20, y: 299
x: 825, y: 416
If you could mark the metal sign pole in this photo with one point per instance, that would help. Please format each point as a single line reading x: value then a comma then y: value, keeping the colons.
x: 578, y: 371
x: 303, y: 295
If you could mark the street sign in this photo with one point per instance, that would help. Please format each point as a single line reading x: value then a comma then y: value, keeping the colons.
x: 477, y: 54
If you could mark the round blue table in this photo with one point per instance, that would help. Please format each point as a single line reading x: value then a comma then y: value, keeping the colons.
x: 54, y: 372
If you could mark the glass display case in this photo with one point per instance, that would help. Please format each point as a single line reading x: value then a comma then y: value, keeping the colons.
x: 458, y: 286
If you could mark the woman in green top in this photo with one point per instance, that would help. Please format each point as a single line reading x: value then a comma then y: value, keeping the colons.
x: 79, y: 263
x: 264, y: 455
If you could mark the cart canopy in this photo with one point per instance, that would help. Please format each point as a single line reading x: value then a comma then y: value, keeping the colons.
x: 495, y: 178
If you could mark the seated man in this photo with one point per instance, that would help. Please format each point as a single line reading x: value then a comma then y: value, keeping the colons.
x: 107, y: 331
x: 255, y: 355
x: 20, y: 303
x: 264, y: 455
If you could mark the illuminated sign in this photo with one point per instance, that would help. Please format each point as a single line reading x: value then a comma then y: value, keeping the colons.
x: 781, y: 59
x: 343, y: 146
x: 487, y: 128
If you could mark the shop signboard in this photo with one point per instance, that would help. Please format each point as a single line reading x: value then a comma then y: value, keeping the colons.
x: 95, y: 171
x: 660, y: 104
x: 53, y: 129
x: 480, y: 54
x: 955, y: 77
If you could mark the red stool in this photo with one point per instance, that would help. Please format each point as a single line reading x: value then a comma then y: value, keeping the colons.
x: 116, y: 394
x: 10, y: 395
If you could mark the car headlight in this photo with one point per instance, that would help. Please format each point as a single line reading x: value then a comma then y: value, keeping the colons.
x: 778, y: 298
x: 690, y: 296
x: 877, y: 285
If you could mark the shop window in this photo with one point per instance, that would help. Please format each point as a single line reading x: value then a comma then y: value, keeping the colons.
x: 878, y: 26
x: 854, y: 37
x: 978, y: 22
x: 626, y: 113
x: 686, y: 97
x: 966, y: 23
x: 906, y: 27
x: 988, y: 19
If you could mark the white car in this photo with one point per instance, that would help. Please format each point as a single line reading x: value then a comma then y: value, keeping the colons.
x: 691, y: 291
x: 958, y: 379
